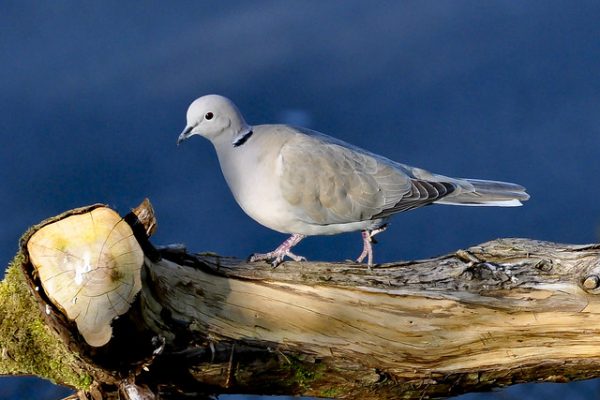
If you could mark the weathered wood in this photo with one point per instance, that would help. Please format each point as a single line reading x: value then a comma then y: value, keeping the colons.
x: 504, y: 312
x: 507, y: 311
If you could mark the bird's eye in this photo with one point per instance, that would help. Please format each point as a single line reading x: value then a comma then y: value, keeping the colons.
x: 208, y: 115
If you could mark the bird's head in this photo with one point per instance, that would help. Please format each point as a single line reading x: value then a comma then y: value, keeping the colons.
x: 214, y: 117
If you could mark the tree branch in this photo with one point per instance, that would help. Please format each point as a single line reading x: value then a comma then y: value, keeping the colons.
x: 504, y: 312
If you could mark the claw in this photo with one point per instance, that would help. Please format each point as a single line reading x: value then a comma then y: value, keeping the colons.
x: 284, y: 250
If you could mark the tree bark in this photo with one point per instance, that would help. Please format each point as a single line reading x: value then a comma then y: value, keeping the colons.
x: 496, y: 314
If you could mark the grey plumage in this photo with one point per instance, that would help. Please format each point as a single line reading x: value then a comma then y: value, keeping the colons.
x: 302, y: 182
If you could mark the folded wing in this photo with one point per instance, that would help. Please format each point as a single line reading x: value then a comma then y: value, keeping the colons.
x: 329, y: 182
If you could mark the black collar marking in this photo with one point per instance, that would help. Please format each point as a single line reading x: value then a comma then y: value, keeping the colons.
x: 243, y: 139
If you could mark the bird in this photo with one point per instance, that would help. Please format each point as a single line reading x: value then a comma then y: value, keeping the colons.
x: 303, y: 183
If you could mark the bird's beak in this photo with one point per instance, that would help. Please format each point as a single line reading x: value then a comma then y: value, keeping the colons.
x: 185, y: 134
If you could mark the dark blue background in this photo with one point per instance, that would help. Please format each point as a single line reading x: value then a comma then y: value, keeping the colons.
x: 93, y: 97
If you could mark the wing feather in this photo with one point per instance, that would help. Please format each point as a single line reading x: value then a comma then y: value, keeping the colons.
x: 330, y: 182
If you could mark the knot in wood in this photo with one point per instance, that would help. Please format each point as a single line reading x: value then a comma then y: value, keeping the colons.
x: 490, y: 272
x: 544, y: 265
x: 591, y: 282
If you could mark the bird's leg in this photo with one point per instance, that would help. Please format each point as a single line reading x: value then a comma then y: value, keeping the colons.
x: 367, y: 247
x: 281, y: 252
x: 368, y: 242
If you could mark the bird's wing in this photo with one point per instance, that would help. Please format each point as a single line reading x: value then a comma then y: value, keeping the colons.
x: 328, y: 182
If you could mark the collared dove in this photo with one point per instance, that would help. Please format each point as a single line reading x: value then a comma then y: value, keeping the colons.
x: 301, y: 182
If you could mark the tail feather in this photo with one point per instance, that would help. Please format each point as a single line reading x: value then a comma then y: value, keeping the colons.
x: 477, y: 192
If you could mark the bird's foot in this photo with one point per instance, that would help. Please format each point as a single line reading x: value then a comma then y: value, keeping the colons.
x: 368, y: 242
x: 284, y: 250
x: 275, y: 257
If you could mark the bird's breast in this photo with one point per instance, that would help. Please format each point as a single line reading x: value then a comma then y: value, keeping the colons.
x: 252, y: 178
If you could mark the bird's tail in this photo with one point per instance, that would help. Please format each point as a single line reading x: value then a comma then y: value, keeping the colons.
x: 477, y: 192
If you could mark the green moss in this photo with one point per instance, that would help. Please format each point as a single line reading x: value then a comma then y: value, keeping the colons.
x: 330, y: 393
x: 304, y: 373
x: 26, y: 345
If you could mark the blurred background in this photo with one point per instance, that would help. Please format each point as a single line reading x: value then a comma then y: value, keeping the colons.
x: 94, y: 94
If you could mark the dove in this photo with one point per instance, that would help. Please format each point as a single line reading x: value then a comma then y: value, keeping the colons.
x: 303, y: 183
